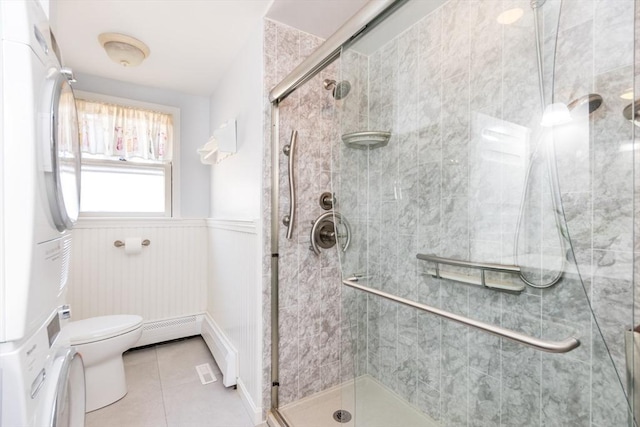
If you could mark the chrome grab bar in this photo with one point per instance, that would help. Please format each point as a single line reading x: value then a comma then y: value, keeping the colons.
x: 290, y: 150
x: 563, y: 346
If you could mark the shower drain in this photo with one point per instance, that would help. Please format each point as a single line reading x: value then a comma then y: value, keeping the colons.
x: 342, y: 416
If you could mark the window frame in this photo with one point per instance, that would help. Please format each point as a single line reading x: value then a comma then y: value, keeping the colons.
x: 172, y: 169
x: 167, y: 169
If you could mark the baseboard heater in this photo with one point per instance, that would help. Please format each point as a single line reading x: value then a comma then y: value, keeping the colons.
x: 224, y: 353
x: 169, y: 329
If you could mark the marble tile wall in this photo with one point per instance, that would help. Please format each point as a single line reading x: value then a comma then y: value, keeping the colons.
x: 310, y: 332
x: 448, y: 183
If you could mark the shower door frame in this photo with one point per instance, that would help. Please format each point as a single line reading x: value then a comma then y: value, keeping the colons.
x: 360, y: 23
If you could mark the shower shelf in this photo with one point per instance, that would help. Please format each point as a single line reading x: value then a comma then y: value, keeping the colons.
x: 482, y: 280
x: 366, y: 139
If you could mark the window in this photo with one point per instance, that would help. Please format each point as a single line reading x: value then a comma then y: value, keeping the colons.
x: 133, y: 189
x: 128, y: 166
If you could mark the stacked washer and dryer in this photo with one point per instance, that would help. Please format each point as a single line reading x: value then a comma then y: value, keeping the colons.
x: 41, y: 379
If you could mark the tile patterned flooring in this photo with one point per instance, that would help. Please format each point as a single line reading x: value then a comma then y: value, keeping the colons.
x: 165, y: 391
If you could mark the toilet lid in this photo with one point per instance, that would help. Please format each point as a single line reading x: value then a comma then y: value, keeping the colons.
x: 100, y: 328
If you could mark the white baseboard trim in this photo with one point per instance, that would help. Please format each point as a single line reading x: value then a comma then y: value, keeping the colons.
x: 170, y: 329
x: 254, y: 412
x: 224, y: 353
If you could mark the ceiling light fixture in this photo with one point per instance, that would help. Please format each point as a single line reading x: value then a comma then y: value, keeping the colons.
x: 124, y: 50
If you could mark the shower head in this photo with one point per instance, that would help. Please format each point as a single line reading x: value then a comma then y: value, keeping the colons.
x: 632, y: 112
x: 339, y: 89
x: 593, y: 101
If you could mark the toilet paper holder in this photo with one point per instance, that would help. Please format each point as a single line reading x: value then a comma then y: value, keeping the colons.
x: 120, y: 243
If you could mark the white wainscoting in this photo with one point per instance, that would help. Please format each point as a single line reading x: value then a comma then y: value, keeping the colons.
x: 168, y: 279
x: 234, y: 300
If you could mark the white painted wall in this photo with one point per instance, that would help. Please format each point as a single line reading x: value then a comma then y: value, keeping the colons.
x: 234, y: 300
x: 194, y: 132
x: 236, y: 181
x: 234, y: 297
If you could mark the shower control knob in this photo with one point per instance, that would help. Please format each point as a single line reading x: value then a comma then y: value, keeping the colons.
x: 326, y: 200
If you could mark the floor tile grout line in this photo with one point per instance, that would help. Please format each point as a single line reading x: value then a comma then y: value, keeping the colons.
x: 164, y: 385
x: 164, y: 406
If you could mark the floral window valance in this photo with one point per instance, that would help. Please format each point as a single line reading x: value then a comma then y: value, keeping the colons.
x: 121, y: 132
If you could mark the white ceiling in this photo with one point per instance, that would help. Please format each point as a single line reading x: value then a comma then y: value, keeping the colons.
x: 319, y: 17
x: 192, y: 42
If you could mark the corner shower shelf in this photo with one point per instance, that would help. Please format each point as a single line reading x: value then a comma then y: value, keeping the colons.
x: 366, y: 139
x: 471, y: 279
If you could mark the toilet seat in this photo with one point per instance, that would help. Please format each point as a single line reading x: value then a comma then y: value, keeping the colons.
x: 100, y: 328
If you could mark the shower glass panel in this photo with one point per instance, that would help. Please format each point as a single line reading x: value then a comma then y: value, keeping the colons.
x: 497, y: 199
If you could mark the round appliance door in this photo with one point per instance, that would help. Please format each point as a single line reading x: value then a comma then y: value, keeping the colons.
x: 64, y: 399
x: 62, y: 159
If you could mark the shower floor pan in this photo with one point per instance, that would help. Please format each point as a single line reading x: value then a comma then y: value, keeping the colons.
x: 377, y: 406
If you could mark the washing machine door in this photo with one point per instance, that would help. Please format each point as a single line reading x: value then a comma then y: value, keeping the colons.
x: 64, y: 399
x: 62, y: 153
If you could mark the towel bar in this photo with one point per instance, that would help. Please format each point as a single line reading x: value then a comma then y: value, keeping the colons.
x: 563, y: 346
x: 120, y: 243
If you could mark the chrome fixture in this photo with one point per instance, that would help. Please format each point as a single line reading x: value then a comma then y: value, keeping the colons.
x: 632, y: 112
x: 482, y: 266
x: 326, y: 201
x: 593, y: 101
x: 342, y: 416
x: 632, y: 358
x: 339, y: 89
x: 537, y: 3
x: 563, y: 346
x: 325, y: 233
x: 120, y: 243
x: 366, y: 139
x: 554, y: 182
x: 290, y: 150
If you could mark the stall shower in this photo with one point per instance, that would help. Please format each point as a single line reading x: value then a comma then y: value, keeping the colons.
x: 483, y: 157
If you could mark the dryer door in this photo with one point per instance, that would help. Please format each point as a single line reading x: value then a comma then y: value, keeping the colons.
x: 64, y: 401
x: 62, y: 156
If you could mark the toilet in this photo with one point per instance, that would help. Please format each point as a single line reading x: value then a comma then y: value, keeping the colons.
x: 101, y: 342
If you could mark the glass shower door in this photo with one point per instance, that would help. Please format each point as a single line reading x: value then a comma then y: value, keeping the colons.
x: 479, y: 205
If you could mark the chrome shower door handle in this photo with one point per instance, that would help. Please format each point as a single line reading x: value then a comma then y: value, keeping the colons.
x: 290, y: 150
